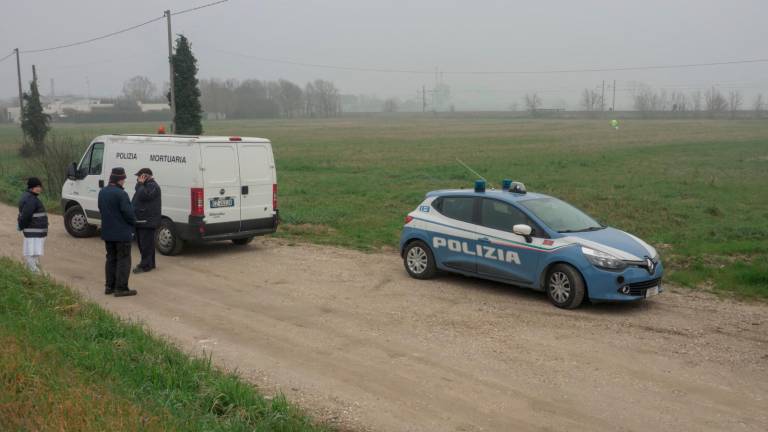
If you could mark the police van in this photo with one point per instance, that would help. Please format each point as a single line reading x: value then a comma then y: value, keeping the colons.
x: 530, y: 240
x: 213, y: 188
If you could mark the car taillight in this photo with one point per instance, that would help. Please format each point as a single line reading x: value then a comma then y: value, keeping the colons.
x: 197, y: 207
x: 274, y: 197
x: 408, y: 219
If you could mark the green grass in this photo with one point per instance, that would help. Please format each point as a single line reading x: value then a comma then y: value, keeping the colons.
x: 66, y: 364
x: 694, y: 188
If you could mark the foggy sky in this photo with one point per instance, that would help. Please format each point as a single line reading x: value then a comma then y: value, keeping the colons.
x: 454, y: 36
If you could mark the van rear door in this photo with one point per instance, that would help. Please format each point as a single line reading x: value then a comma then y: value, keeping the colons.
x: 221, y: 183
x: 257, y: 174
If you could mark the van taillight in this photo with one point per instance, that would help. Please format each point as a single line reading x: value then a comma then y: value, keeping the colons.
x: 198, y: 202
x: 274, y: 196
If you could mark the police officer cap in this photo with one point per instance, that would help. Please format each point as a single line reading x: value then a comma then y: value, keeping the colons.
x: 144, y: 171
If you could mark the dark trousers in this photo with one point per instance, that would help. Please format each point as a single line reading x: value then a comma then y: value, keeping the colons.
x: 118, y: 266
x: 145, y: 238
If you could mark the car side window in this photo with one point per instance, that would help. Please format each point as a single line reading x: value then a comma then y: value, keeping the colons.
x: 500, y: 215
x: 459, y: 208
x: 97, y: 159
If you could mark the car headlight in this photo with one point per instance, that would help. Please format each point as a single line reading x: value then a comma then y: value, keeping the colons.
x: 602, y: 259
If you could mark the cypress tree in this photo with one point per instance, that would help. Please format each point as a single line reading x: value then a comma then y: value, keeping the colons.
x: 34, y: 122
x: 189, y: 112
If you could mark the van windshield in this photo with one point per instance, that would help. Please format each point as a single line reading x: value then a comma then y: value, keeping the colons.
x: 561, y: 216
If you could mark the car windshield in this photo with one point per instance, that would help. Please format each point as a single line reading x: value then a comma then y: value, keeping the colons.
x: 561, y: 216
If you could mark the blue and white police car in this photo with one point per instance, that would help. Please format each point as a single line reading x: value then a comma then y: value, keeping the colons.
x: 530, y: 240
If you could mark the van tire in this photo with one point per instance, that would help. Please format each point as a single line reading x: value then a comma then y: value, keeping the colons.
x: 76, y: 223
x: 242, y: 241
x: 565, y: 286
x: 167, y: 240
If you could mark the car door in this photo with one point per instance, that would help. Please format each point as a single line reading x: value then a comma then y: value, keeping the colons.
x: 505, y: 255
x: 256, y: 180
x: 90, y: 181
x: 452, y: 234
x: 221, y: 188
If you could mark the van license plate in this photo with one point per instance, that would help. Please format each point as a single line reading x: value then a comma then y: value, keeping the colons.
x: 650, y: 292
x: 219, y: 202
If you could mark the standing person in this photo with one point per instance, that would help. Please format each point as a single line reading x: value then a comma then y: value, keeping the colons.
x: 148, y: 207
x: 33, y: 222
x: 117, y: 225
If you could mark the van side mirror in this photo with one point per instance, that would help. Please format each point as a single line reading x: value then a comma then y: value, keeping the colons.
x: 523, y: 230
x: 72, y: 171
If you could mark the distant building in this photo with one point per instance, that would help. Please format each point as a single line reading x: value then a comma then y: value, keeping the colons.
x: 147, y: 107
x: 59, y: 107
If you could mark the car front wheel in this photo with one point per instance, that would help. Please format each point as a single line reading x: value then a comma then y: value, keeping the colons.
x: 565, y: 287
x: 419, y: 261
x: 77, y: 224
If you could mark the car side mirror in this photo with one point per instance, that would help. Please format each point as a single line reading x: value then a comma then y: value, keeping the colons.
x: 523, y: 230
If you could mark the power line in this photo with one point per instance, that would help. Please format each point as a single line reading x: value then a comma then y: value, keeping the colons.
x: 8, y: 56
x: 115, y: 33
x: 199, y: 7
x: 528, y: 72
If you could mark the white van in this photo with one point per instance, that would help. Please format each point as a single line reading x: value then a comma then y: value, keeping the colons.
x: 213, y: 188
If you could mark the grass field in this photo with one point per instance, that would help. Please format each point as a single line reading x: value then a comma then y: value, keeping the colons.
x: 698, y: 190
x: 65, y: 364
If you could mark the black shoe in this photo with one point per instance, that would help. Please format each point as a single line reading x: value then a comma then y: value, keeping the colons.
x: 138, y: 269
x: 109, y: 291
x: 125, y: 293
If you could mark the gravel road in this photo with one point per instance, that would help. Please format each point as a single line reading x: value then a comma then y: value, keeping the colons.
x: 351, y: 338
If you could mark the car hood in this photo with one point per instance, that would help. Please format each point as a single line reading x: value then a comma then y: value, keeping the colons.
x: 616, y: 242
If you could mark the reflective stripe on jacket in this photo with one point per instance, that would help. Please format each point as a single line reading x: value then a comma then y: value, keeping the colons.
x: 33, y: 220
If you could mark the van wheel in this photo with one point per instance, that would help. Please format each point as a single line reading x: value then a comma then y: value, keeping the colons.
x: 242, y: 241
x: 77, y: 224
x: 419, y: 261
x: 167, y: 240
x: 565, y: 287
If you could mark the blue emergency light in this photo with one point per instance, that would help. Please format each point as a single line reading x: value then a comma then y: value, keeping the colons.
x: 505, y: 184
x: 479, y: 185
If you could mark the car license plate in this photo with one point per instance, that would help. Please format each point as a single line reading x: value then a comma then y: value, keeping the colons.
x: 219, y: 202
x: 650, y: 292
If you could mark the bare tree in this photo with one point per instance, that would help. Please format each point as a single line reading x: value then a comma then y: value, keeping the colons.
x: 715, y: 101
x: 734, y: 102
x: 648, y: 101
x: 591, y: 100
x: 759, y: 105
x: 139, y: 88
x: 679, y: 101
x: 696, y: 100
x: 322, y: 99
x: 390, y: 105
x: 291, y: 98
x: 532, y: 102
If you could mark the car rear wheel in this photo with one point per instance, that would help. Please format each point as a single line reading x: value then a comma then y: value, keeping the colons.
x: 242, y: 241
x: 167, y: 240
x: 419, y: 261
x: 565, y: 287
x: 77, y: 224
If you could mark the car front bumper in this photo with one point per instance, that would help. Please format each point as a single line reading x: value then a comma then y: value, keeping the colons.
x: 604, y: 285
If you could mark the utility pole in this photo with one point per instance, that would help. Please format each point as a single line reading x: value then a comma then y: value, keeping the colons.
x: 613, y: 103
x: 21, y: 93
x: 602, y: 98
x: 34, y: 75
x: 171, y: 83
x: 423, y: 98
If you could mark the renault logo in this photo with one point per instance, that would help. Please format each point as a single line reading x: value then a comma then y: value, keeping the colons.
x: 651, y: 265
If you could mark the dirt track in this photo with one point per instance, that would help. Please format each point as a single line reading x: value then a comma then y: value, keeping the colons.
x: 354, y: 340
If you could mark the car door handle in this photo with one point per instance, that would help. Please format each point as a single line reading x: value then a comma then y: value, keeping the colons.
x: 484, y: 240
x: 244, y: 190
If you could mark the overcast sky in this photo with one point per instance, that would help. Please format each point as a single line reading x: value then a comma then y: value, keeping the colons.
x: 232, y: 40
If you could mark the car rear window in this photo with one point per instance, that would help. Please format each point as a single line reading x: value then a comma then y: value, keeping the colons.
x: 459, y: 208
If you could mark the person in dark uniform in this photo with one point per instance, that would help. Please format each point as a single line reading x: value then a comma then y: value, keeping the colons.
x: 117, y: 226
x: 33, y: 223
x: 148, y: 208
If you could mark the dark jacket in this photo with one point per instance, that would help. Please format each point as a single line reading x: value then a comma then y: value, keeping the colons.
x: 117, y: 218
x: 147, y: 204
x: 33, y: 220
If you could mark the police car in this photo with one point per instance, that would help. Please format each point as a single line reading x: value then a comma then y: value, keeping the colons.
x: 530, y: 240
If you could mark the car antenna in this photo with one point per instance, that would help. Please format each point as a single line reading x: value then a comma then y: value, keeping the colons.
x: 471, y: 170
